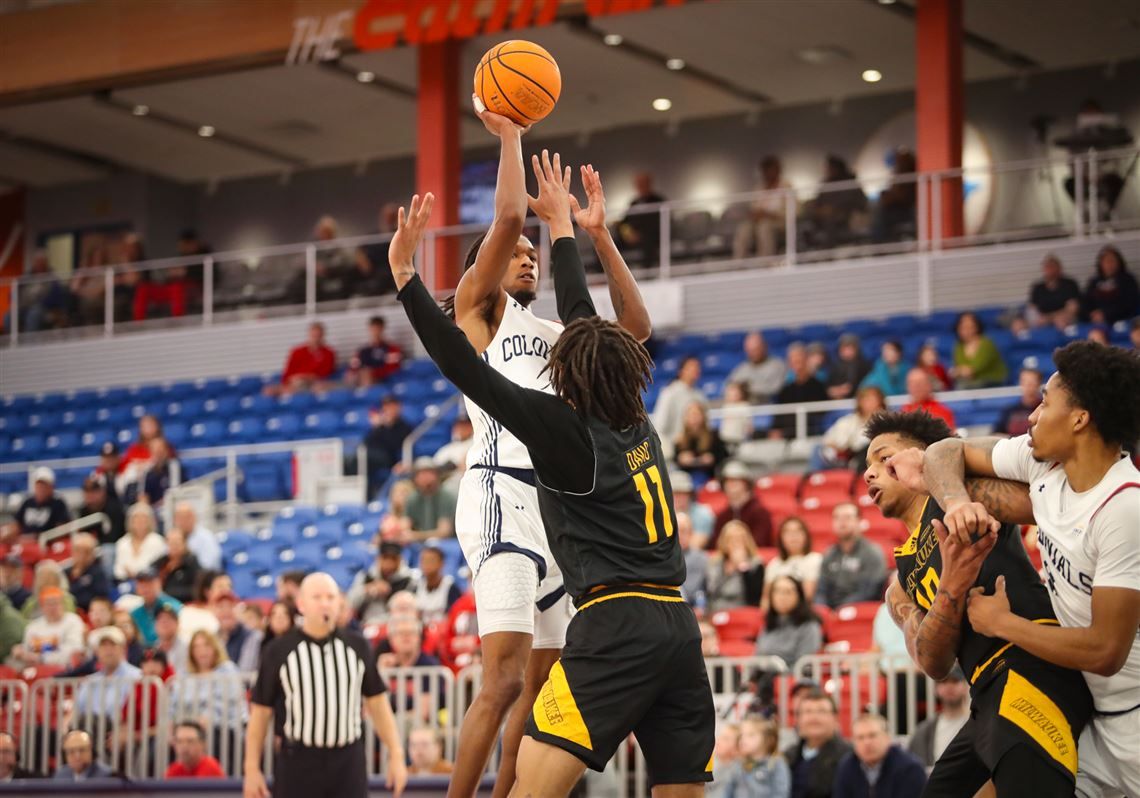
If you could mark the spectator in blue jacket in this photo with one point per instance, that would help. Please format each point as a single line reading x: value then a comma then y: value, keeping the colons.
x: 889, y: 372
x: 877, y: 767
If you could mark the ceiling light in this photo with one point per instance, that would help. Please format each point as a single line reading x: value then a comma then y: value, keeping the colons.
x: 675, y: 64
x: 613, y: 39
x: 872, y: 75
x: 822, y: 54
x: 366, y: 77
x: 886, y: 2
x: 662, y: 104
x: 140, y: 110
x: 206, y: 131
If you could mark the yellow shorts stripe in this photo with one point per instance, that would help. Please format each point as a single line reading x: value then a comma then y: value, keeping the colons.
x: 1035, y: 713
x: 709, y: 766
x: 978, y: 671
x: 556, y: 713
x: 630, y: 594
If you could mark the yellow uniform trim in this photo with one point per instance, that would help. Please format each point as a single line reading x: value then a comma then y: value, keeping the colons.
x: 709, y: 766
x: 911, y: 544
x: 556, y: 713
x: 592, y: 602
x: 1033, y: 712
x: 981, y: 668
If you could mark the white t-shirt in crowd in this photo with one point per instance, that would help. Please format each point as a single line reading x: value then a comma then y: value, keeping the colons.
x: 65, y: 638
x: 804, y: 567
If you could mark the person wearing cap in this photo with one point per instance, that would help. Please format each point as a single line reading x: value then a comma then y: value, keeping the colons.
x: 384, y: 441
x: 86, y: 576
x: 149, y: 588
x: 169, y: 643
x: 109, y: 466
x: 370, y: 590
x: 102, y: 693
x: 431, y: 507
x: 762, y: 374
x: 53, y: 638
x: 933, y: 735
x: 848, y: 369
x: 43, y: 510
x: 12, y: 580
x: 99, y: 498
x: 700, y: 516
x: 142, y: 544
x: 736, y: 480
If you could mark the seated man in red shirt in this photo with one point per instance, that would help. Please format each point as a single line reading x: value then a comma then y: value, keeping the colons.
x: 308, y: 365
x: 190, y: 759
x: 921, y: 393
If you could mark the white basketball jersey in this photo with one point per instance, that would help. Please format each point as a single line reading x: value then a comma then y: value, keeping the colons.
x: 519, y: 351
x: 1087, y: 540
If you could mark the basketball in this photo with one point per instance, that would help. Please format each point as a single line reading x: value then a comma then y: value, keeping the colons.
x: 519, y: 80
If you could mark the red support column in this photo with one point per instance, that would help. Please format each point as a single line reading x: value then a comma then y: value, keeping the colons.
x: 940, y: 120
x: 437, y: 152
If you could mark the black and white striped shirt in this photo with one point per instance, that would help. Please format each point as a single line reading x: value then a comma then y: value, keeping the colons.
x: 315, y: 686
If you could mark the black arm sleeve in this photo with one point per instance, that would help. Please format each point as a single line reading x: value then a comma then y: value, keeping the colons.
x: 373, y: 683
x: 268, y: 685
x: 570, y: 291
x: 558, y: 440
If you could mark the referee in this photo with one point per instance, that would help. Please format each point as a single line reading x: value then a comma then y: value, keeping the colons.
x: 314, y: 676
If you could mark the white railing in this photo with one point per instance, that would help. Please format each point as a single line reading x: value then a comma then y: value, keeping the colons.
x: 300, y: 279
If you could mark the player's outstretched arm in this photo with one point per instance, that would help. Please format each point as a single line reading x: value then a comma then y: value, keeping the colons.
x: 1004, y: 499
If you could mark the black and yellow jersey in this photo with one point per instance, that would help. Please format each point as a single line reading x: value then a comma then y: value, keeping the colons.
x: 919, y: 563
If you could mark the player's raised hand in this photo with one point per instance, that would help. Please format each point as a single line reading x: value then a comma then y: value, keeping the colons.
x: 496, y: 124
x: 410, y: 226
x: 906, y: 467
x: 552, y: 205
x: 987, y: 612
x: 969, y: 521
x: 961, y: 563
x: 591, y: 218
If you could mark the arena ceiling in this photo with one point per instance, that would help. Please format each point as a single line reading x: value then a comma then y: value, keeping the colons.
x: 739, y: 56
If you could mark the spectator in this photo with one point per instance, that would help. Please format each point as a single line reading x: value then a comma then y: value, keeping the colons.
x: 177, y: 569
x: 1112, y: 294
x: 735, y: 572
x: 87, y: 577
x: 831, y: 216
x: 308, y: 366
x: 853, y: 569
x: 876, y: 768
x: 243, y: 646
x: 100, y: 612
x: 212, y: 692
x: 54, y: 638
x: 1099, y: 334
x: 920, y: 392
x: 818, y: 361
x: 452, y: 456
x: 128, y: 281
x: 1014, y: 420
x: 108, y: 467
x: 795, y: 559
x: 385, y: 441
x: 698, y: 449
x: 123, y: 621
x: 280, y: 620
x: 102, y: 694
x: 79, y: 756
x: 736, y: 480
x: 43, y: 299
x: 815, y: 759
x: 888, y: 640
x: 141, y: 546
x: 373, y: 276
x: 726, y: 753
x: 695, y: 588
x: 12, y: 625
x: 760, y: 772
x: 405, y: 639
x: 10, y: 769
x: 149, y: 588
x: 377, y: 361
x: 895, y: 215
x: 200, y: 540
x: 803, y: 387
x: 12, y: 581
x: 138, y: 454
x: 1056, y: 299
x: 792, y: 629
x: 43, y: 510
x: 764, y: 227
x: 336, y: 266
x: 253, y: 617
x: 889, y: 372
x: 849, y: 368
x: 700, y: 515
x: 977, y: 361
x: 159, y: 474
x: 642, y: 231
x: 762, y: 374
x: 201, y: 612
x: 425, y: 750
x: 933, y: 735
x: 168, y: 642
x: 98, y: 499
x: 844, y: 444
x: 370, y: 590
x: 431, y: 507
x: 436, y: 591
x: 190, y: 758
x: 288, y: 586
x: 669, y: 413
x: 736, y: 416
x: 48, y: 573
x: 931, y: 362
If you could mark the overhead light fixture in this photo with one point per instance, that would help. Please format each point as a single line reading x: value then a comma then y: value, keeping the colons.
x: 887, y: 2
x: 366, y: 76
x: 872, y: 75
x: 613, y: 39
x: 662, y: 104
x: 823, y: 54
x: 140, y: 110
x: 206, y: 131
x: 675, y: 64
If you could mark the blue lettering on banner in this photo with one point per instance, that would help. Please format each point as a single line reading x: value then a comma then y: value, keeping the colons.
x: 520, y: 345
x: 1059, y: 566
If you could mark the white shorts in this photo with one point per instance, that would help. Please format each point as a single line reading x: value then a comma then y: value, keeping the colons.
x: 1109, y: 757
x: 497, y: 514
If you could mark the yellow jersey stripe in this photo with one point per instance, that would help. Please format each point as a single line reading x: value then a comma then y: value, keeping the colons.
x: 978, y: 671
x: 630, y: 594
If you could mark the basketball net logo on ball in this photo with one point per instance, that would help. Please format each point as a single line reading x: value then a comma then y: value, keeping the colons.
x: 519, y: 80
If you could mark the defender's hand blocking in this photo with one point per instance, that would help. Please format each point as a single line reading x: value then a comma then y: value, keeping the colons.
x: 961, y: 563
x: 986, y: 612
x: 969, y: 521
x: 592, y: 218
x: 552, y: 205
x: 410, y: 228
x: 906, y: 467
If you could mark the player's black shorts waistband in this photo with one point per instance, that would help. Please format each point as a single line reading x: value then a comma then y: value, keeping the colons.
x: 978, y: 676
x: 521, y: 474
x: 642, y: 590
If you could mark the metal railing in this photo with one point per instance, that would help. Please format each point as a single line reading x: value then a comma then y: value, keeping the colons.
x: 690, y: 235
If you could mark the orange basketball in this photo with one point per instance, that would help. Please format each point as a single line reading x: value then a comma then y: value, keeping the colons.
x: 519, y: 80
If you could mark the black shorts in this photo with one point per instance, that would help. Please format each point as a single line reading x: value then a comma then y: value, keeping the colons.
x: 1040, y: 707
x: 632, y: 663
x: 300, y: 772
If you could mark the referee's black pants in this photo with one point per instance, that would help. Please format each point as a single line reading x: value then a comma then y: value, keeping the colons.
x: 302, y: 772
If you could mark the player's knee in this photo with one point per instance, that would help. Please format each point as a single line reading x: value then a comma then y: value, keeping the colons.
x: 502, y: 686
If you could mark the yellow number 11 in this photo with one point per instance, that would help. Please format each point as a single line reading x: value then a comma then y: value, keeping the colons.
x: 647, y: 497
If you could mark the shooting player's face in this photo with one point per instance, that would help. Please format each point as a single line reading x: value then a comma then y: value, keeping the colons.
x: 521, y: 280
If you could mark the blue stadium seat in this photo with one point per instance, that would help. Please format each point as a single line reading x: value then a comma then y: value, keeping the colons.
x: 419, y: 369
x: 344, y: 513
x: 361, y: 530
x: 91, y: 441
x: 70, y: 477
x: 12, y: 483
x: 27, y: 447
x: 324, y: 423
x: 259, y: 405
x: 282, y: 427
x: 334, y: 400
x: 265, y: 587
x: 223, y: 406
x: 342, y: 575
x: 263, y: 483
x: 61, y: 445
x: 234, y: 540
x: 211, y: 432
x: 326, y: 532
x: 302, y: 514
x: 247, y: 429
x: 295, y: 402
x: 244, y: 580
x: 256, y: 558
x: 354, y: 422
x: 79, y: 419
x: 718, y: 365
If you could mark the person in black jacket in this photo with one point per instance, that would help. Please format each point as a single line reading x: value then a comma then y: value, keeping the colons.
x: 1111, y: 294
x: 87, y: 577
x: 876, y: 768
x: 178, y: 568
x: 815, y: 759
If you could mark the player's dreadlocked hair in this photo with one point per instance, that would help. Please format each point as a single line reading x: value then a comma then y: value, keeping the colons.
x: 448, y: 304
x: 917, y: 425
x: 1105, y: 381
x: 601, y: 370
